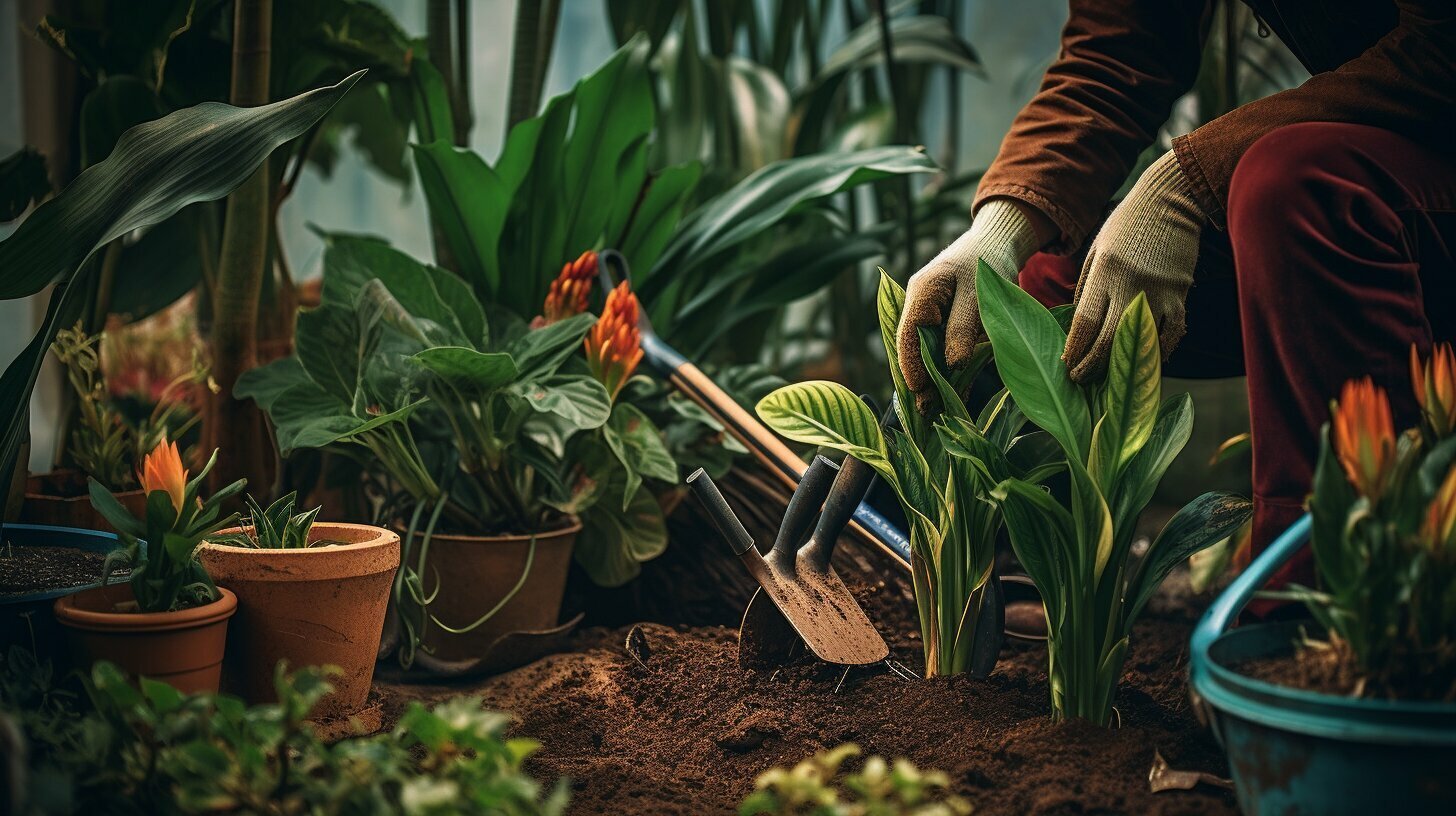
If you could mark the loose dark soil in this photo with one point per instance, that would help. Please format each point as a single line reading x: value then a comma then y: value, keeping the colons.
x: 1329, y: 667
x: 689, y: 733
x: 24, y: 570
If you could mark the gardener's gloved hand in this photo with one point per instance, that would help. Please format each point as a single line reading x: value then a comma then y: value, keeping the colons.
x: 945, y: 290
x: 1149, y: 244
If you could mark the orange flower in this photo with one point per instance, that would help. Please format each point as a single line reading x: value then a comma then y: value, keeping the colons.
x: 1435, y: 387
x: 567, y: 296
x: 1364, y: 435
x: 162, y: 470
x: 1439, y: 529
x: 614, y: 345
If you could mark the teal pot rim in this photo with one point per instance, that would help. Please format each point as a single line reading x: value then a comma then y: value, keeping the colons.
x: 49, y: 535
x: 1217, y: 684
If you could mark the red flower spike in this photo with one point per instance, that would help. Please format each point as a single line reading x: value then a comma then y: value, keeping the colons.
x: 1364, y: 436
x: 568, y: 293
x: 614, y: 344
x: 1435, y: 387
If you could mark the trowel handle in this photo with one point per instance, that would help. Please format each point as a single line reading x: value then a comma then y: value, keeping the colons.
x: 805, y: 503
x: 729, y: 527
x: 848, y: 491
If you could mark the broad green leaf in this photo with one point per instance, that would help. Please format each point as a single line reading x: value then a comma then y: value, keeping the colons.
x: 1205, y: 521
x: 434, y: 118
x: 615, y: 541
x: 331, y: 348
x: 467, y: 370
x: 889, y: 304
x: 657, y: 214
x: 426, y: 292
x: 306, y: 417
x: 108, y: 506
x: 1043, y: 535
x: 1171, y: 430
x: 468, y: 202
x: 763, y: 200
x: 265, y: 383
x: 951, y: 404
x: 1093, y: 521
x: 915, y: 484
x: 540, y: 352
x: 579, y: 400
x: 196, y: 154
x: 819, y: 412
x: 638, y: 446
x: 1028, y: 345
x: 1131, y: 391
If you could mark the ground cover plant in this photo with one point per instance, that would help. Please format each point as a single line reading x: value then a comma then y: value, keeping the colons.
x: 942, y: 468
x: 160, y: 548
x: 121, y: 748
x: 821, y: 786
x: 1384, y: 537
x: 1118, y: 438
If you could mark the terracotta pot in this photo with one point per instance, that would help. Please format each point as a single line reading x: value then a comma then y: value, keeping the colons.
x: 476, y: 572
x: 60, y: 498
x: 316, y: 607
x: 183, y: 648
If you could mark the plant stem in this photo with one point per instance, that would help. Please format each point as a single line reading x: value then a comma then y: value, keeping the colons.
x: 903, y: 129
x: 240, y: 271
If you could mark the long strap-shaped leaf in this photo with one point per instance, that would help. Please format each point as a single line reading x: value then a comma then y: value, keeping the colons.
x: 196, y: 154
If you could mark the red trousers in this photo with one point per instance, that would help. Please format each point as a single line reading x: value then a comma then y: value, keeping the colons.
x: 1340, y: 252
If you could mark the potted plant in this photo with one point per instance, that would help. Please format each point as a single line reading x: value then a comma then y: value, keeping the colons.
x: 168, y: 621
x: 104, y: 444
x: 943, y: 468
x: 1117, y: 438
x: 465, y: 423
x: 310, y: 593
x: 1371, y: 682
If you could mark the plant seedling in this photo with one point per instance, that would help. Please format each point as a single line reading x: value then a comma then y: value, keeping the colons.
x: 276, y: 528
x: 1117, y: 441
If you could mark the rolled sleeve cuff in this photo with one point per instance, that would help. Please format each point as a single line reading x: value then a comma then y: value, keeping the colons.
x: 1072, y: 233
x: 1186, y: 152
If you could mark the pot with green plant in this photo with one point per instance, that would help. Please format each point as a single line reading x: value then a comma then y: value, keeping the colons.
x: 311, y: 593
x: 169, y: 620
x: 943, y: 468
x: 103, y: 443
x: 1370, y: 683
x: 1117, y: 438
x: 464, y: 424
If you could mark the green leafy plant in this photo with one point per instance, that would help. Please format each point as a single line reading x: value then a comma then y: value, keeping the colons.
x: 157, y: 168
x: 147, y: 748
x: 161, y: 547
x: 820, y: 786
x: 1384, y: 537
x: 467, y: 419
x: 1118, y: 439
x: 275, y: 528
x: 942, y: 468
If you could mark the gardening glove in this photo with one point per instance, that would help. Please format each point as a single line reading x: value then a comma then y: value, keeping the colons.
x: 1149, y: 244
x: 1004, y: 238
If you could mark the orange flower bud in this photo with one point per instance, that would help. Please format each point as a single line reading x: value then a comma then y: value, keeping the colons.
x: 1364, y: 436
x: 1435, y: 387
x: 614, y: 344
x: 568, y: 293
x: 162, y: 470
x: 1439, y: 529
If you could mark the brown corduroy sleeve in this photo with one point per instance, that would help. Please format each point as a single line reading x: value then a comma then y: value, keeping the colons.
x: 1123, y: 64
x: 1405, y: 82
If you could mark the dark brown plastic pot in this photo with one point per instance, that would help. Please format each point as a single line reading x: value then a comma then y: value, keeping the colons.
x: 182, y: 648
x: 60, y: 498
x: 476, y: 572
x: 322, y: 606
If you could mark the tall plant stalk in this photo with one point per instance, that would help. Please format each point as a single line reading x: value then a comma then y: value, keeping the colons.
x: 244, y: 255
x: 535, y: 37
x: 900, y: 103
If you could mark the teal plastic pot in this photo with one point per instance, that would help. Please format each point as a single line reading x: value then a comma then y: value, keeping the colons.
x: 1301, y: 752
x: 27, y: 619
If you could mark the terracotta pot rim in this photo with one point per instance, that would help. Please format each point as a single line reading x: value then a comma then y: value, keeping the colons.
x: 572, y: 527
x: 59, y: 473
x: 381, y: 538
x: 71, y: 615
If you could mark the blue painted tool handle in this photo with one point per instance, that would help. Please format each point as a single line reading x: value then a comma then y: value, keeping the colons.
x: 1227, y: 606
x: 880, y: 528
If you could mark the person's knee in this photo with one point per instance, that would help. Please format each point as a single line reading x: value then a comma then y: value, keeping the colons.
x: 1307, y: 176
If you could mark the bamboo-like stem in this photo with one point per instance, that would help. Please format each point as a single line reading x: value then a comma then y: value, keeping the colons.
x: 464, y: 117
x: 904, y: 129
x: 535, y: 35
x: 237, y: 425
